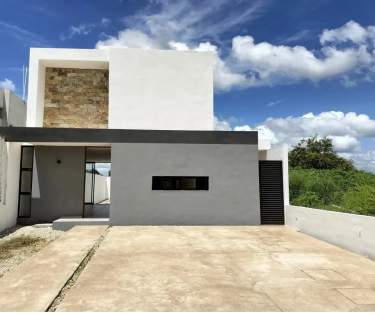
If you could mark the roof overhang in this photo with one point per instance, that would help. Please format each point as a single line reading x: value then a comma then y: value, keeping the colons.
x: 111, y: 136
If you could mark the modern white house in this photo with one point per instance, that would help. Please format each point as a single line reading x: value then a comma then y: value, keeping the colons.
x: 126, y: 137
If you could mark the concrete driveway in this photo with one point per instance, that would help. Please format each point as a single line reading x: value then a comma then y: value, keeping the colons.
x: 220, y: 269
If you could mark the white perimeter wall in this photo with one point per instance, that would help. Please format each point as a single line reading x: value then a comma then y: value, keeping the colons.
x: 9, y: 209
x: 102, y: 188
x: 353, y: 232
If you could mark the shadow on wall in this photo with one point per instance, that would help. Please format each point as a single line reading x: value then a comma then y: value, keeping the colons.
x: 58, y: 181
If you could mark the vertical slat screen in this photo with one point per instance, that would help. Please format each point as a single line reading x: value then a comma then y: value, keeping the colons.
x: 271, y: 192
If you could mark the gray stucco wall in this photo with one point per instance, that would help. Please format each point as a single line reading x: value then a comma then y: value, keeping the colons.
x: 57, y: 188
x: 232, y: 199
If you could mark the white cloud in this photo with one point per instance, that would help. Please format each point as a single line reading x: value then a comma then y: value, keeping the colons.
x: 84, y: 29
x: 22, y: 35
x: 345, y: 143
x: 129, y: 38
x: 268, y: 64
x: 77, y: 30
x: 191, y: 22
x: 185, y: 25
x: 345, y: 129
x: 105, y: 21
x: 8, y: 84
x: 362, y: 160
x: 221, y: 125
x: 301, y: 35
x: 180, y: 25
x: 264, y: 133
x: 351, y: 31
x: 274, y: 103
x: 175, y: 45
x: 225, y: 78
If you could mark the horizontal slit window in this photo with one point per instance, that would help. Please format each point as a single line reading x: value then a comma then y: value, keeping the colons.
x: 180, y: 183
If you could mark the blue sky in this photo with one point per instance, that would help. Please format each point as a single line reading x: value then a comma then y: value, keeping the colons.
x: 289, y: 69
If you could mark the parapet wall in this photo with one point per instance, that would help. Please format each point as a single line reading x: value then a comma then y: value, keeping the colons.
x: 353, y: 232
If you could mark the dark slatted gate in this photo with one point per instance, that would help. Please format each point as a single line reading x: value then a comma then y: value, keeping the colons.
x: 271, y: 192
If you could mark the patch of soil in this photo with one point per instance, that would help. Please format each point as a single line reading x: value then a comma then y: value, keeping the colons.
x: 22, y: 243
x: 13, y: 246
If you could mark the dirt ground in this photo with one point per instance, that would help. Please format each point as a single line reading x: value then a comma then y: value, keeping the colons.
x: 18, y: 244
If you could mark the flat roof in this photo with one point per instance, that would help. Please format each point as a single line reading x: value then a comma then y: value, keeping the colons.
x: 77, y: 135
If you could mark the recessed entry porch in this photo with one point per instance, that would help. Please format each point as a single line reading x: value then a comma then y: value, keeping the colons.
x: 64, y: 182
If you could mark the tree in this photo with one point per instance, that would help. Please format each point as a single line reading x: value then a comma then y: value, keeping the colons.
x: 317, y: 154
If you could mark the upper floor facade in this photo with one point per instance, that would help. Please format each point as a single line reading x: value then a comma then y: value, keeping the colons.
x: 120, y: 88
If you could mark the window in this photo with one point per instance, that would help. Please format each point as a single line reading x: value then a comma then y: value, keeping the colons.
x: 180, y: 183
x: 25, y: 182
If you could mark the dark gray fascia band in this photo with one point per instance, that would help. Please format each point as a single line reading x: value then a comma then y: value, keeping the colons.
x: 75, y: 135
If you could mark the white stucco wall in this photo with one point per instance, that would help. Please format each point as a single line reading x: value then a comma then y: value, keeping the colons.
x: 13, y: 114
x: 148, y: 89
x: 14, y: 109
x: 2, y: 104
x: 9, y: 209
x: 102, y: 186
x: 279, y: 152
x: 353, y: 232
x: 160, y: 89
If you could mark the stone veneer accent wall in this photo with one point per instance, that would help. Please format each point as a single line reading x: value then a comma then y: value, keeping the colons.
x: 76, y: 98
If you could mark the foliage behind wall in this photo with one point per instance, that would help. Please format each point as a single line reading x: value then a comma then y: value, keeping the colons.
x: 319, y: 178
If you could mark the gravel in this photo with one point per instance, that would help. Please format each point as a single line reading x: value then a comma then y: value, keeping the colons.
x: 33, y: 239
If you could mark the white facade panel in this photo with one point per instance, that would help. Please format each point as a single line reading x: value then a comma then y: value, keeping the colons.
x: 160, y: 89
x: 148, y: 89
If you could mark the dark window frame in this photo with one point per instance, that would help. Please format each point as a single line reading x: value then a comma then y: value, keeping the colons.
x: 175, y: 183
x: 23, y: 169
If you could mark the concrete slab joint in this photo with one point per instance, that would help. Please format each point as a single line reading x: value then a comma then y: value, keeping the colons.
x: 231, y: 268
x: 23, y: 289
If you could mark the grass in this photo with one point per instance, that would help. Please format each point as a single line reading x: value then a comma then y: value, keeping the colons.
x: 10, y: 247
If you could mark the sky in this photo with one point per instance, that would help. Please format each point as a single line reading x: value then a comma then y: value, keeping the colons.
x: 289, y: 69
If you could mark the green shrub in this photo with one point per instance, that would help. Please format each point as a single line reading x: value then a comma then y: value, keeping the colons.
x: 334, y: 189
x: 324, y: 188
x: 296, y: 184
x: 308, y: 199
x: 360, y: 199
